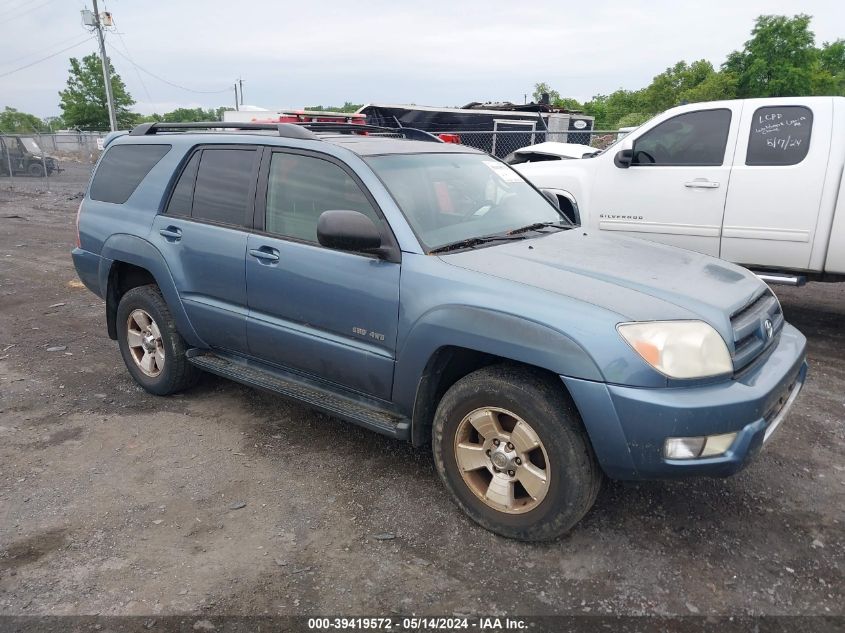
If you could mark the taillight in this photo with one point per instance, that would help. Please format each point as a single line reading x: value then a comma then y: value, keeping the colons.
x: 78, y: 212
x: 450, y: 138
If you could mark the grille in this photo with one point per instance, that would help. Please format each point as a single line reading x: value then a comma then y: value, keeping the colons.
x: 750, y: 336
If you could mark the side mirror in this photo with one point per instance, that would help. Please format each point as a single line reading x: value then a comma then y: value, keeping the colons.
x: 552, y: 197
x: 348, y: 231
x: 624, y: 158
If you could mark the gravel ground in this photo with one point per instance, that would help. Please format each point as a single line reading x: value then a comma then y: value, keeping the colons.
x: 227, y: 500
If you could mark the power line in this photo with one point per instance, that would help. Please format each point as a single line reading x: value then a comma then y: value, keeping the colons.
x: 135, y: 67
x: 7, y: 19
x: 9, y: 10
x: 137, y: 72
x: 38, y: 61
x: 9, y: 62
x: 169, y: 83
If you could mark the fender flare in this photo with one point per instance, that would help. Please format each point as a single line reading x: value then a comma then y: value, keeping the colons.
x: 485, y: 331
x: 134, y: 250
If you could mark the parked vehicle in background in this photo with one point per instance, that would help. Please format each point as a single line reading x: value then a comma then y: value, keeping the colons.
x: 758, y: 182
x: 497, y: 128
x: 550, y: 150
x: 428, y: 292
x: 25, y: 157
x: 292, y: 116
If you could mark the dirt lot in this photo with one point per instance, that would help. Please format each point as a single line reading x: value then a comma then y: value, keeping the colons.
x: 227, y: 500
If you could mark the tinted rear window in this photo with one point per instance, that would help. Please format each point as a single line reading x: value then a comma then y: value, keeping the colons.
x: 224, y: 182
x: 122, y: 169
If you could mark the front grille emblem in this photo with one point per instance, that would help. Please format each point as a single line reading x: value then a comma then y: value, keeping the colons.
x: 768, y: 329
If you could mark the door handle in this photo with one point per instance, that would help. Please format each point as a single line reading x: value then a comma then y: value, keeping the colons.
x: 171, y: 233
x: 701, y: 184
x: 268, y: 255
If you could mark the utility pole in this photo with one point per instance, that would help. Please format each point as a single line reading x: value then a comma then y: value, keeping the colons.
x: 236, y: 96
x: 106, y: 72
x: 241, y: 82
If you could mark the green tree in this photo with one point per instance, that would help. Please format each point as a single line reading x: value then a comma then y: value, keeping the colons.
x: 347, y: 106
x: 829, y: 77
x: 188, y: 115
x: 632, y: 119
x: 719, y: 85
x: 544, y: 88
x: 778, y: 61
x: 676, y: 84
x: 13, y: 121
x: 83, y: 102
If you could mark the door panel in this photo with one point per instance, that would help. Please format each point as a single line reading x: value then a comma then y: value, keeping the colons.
x: 203, y: 238
x: 214, y: 296
x: 771, y: 214
x: 324, y: 312
x: 675, y: 191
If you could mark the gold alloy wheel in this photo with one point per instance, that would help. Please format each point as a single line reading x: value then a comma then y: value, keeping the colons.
x: 144, y: 340
x: 502, y: 460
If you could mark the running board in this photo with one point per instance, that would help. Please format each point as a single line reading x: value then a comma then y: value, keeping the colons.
x: 351, y: 407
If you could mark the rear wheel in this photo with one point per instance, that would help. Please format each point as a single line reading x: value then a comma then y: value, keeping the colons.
x: 154, y: 352
x: 510, y: 447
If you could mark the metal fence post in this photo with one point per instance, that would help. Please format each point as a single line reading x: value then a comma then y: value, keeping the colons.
x: 9, y: 163
x: 43, y: 159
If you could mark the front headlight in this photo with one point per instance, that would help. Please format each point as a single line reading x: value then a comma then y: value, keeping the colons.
x: 679, y: 349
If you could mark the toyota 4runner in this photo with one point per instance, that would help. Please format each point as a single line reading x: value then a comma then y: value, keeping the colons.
x: 428, y: 292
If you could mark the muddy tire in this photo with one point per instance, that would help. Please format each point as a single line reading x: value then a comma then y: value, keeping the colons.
x: 36, y: 170
x: 511, y: 449
x: 154, y: 352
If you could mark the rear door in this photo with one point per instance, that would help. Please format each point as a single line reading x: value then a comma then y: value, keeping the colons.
x: 776, y: 183
x: 203, y: 237
x: 674, y: 191
x: 324, y: 312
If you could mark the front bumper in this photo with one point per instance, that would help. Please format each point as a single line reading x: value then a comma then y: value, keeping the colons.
x: 628, y: 425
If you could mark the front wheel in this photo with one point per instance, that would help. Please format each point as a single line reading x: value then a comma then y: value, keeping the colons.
x: 35, y: 170
x: 510, y: 447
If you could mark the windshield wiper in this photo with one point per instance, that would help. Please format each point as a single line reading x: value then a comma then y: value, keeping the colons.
x: 537, y: 226
x: 475, y: 241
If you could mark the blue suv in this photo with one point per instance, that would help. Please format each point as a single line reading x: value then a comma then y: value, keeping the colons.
x: 428, y: 292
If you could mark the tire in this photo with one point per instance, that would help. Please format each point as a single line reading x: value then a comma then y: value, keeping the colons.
x: 513, y: 396
x: 155, y: 355
x: 36, y: 170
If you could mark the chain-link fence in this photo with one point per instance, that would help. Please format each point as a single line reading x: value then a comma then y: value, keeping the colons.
x: 501, y: 143
x: 39, y: 155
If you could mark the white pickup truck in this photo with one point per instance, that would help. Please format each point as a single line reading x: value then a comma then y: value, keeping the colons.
x: 758, y: 182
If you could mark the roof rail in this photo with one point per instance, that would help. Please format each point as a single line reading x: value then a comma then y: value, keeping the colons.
x: 410, y: 133
x: 288, y: 130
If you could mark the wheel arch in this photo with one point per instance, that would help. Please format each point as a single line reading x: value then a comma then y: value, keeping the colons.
x: 129, y: 261
x: 451, y: 342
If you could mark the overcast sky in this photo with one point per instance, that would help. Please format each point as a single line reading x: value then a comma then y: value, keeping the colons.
x: 434, y: 52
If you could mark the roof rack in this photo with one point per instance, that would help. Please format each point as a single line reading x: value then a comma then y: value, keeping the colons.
x: 288, y: 130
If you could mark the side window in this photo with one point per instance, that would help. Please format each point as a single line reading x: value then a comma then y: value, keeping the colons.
x: 225, y: 179
x: 300, y: 188
x: 780, y: 135
x: 122, y: 169
x: 183, y: 193
x: 693, y: 139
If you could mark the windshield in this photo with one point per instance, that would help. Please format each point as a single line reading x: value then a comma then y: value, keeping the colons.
x: 449, y: 198
x: 30, y: 145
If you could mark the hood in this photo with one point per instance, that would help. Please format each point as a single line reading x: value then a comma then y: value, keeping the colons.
x: 638, y: 280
